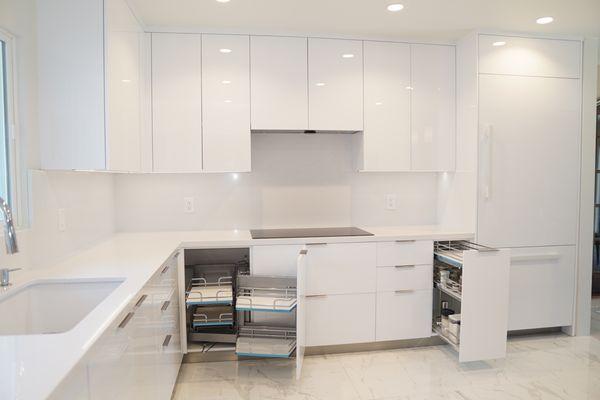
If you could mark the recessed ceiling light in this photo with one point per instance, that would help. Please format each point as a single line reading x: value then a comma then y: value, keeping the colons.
x: 225, y: 82
x: 320, y: 84
x: 395, y: 7
x: 408, y: 88
x: 378, y: 103
x: 222, y: 1
x: 225, y: 51
x: 544, y: 20
x: 497, y: 44
x: 227, y: 101
x: 349, y: 55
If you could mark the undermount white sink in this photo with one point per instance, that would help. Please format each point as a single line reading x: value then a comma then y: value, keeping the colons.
x: 50, y: 306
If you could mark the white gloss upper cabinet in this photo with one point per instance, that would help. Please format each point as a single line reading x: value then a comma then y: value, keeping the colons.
x: 124, y: 87
x: 176, y: 102
x: 433, y: 111
x: 279, y: 91
x: 508, y: 55
x: 226, y: 103
x: 386, y: 137
x: 89, y: 85
x: 335, y: 85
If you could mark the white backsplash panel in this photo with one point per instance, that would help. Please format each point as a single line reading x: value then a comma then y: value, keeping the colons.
x: 296, y: 180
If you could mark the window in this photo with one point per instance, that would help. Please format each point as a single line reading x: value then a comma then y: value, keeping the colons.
x: 8, y: 162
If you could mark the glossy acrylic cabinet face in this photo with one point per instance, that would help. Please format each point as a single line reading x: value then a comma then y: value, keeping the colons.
x: 176, y: 102
x: 386, y: 137
x: 335, y: 85
x: 226, y: 103
x: 433, y: 111
x: 279, y: 91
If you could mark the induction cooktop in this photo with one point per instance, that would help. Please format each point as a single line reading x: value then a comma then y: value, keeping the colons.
x: 308, y: 232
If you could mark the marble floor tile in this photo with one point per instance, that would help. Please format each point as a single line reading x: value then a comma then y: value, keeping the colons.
x: 551, y: 366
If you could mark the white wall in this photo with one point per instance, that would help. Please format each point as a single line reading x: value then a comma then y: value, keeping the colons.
x: 87, y: 198
x: 296, y: 180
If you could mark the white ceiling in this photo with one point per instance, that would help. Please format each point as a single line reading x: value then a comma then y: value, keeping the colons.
x: 425, y: 19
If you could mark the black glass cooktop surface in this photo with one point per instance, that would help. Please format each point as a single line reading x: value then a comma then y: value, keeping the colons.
x: 307, y: 232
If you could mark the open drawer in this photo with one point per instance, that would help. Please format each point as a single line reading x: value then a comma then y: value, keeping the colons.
x: 471, y: 284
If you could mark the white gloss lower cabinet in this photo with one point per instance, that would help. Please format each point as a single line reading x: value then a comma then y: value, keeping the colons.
x: 176, y: 102
x: 386, y: 136
x: 433, y: 107
x: 340, y: 319
x: 226, y: 103
x: 542, y: 287
x: 404, y: 314
x: 335, y: 85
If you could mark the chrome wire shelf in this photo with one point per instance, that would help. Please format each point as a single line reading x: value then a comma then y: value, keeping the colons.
x: 203, y: 319
x: 266, y: 299
x: 201, y: 292
x: 451, y: 252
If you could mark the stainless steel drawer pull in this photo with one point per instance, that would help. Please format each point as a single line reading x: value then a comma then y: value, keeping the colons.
x: 404, y: 266
x: 141, y: 300
x: 167, y: 340
x: 315, y: 296
x: 404, y: 291
x: 406, y: 241
x: 165, y: 269
x: 165, y: 305
x: 316, y: 244
x: 126, y: 320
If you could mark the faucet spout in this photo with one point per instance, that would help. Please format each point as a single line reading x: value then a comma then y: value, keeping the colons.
x: 10, y: 237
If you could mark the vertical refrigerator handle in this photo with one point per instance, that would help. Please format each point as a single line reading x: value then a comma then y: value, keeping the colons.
x: 486, y: 160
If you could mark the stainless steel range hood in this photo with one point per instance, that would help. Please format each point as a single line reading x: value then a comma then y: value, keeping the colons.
x: 304, y: 131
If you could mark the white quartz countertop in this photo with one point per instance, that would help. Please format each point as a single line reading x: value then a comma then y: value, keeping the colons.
x: 32, y: 366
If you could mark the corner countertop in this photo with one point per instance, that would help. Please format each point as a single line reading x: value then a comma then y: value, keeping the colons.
x: 32, y: 366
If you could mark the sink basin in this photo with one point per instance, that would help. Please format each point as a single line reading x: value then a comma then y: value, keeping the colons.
x: 51, y: 306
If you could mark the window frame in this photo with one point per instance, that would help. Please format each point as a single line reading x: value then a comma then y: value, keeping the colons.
x: 14, y: 158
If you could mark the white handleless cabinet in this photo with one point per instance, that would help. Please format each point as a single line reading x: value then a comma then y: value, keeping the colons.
x: 433, y: 111
x: 89, y: 85
x: 279, y: 91
x: 335, y: 85
x: 386, y: 137
x: 176, y: 102
x: 226, y: 103
x: 529, y: 56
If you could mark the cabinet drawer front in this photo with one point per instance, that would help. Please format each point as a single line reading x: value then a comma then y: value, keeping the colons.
x: 340, y: 319
x: 404, y: 315
x: 409, y: 252
x: 341, y: 268
x: 411, y: 277
x: 542, y: 287
x: 278, y: 260
x: 529, y: 56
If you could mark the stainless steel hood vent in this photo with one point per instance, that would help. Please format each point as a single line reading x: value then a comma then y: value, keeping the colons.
x: 305, y: 131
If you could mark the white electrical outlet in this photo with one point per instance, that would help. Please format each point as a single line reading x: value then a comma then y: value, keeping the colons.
x: 188, y: 205
x: 390, y: 201
x: 62, y: 220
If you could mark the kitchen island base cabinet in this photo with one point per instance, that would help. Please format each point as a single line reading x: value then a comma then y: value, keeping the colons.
x: 340, y: 319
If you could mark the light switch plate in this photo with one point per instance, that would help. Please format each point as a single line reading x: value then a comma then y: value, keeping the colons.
x: 62, y: 220
x: 390, y: 201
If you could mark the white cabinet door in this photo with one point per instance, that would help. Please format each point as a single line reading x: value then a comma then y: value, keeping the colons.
x: 404, y: 252
x: 341, y: 268
x: 386, y: 137
x: 404, y: 314
x: 529, y: 56
x: 404, y: 277
x: 279, y: 91
x: 529, y: 160
x: 433, y: 111
x: 226, y: 103
x: 335, y: 85
x: 277, y: 260
x: 542, y: 287
x: 176, y: 102
x: 340, y: 319
x: 301, y: 312
x: 124, y: 88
